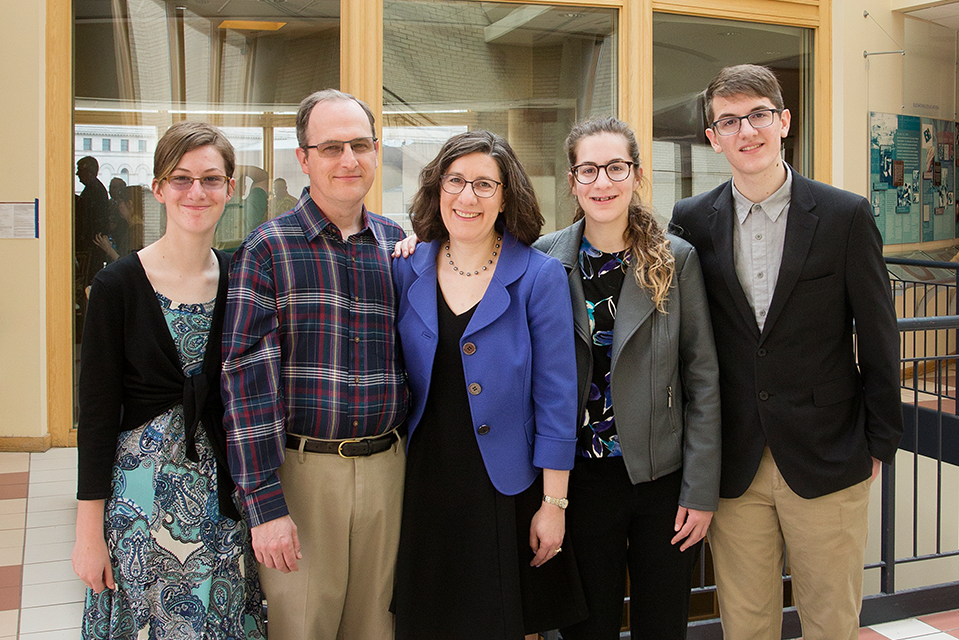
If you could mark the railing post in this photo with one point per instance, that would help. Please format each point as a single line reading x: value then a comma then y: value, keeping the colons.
x: 887, y: 573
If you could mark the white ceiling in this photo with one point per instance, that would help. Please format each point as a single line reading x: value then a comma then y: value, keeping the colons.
x: 946, y: 15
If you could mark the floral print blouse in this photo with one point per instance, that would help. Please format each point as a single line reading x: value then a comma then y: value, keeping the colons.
x: 602, y: 275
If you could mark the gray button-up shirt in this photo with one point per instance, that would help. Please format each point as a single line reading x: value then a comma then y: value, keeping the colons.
x: 758, y: 239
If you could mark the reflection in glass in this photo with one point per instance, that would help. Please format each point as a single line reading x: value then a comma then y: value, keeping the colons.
x: 687, y: 53
x: 141, y: 65
x: 526, y: 72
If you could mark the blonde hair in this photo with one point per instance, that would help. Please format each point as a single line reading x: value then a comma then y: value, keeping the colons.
x: 651, y: 259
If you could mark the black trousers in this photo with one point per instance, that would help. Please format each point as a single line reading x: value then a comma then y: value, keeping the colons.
x: 614, y: 524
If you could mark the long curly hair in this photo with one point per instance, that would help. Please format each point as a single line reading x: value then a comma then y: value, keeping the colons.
x: 520, y: 216
x: 650, y: 256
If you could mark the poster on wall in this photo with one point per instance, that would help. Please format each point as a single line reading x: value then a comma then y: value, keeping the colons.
x: 913, y: 178
x: 895, y: 168
x: 939, y: 177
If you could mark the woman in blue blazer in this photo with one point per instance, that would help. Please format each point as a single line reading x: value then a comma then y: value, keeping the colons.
x: 486, y: 328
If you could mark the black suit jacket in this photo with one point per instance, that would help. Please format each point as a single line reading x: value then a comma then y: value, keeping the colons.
x: 796, y: 386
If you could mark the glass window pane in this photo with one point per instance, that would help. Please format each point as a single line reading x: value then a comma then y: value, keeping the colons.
x: 688, y: 52
x: 526, y: 72
x: 288, y: 178
x: 141, y: 65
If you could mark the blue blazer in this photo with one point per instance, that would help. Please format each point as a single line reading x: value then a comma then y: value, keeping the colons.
x: 518, y: 357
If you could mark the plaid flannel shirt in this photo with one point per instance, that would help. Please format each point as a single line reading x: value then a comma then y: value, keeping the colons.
x: 309, y: 344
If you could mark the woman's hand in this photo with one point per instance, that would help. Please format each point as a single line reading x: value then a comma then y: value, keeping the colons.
x: 546, y: 533
x: 102, y: 241
x: 405, y: 247
x: 91, y: 558
x: 691, y: 525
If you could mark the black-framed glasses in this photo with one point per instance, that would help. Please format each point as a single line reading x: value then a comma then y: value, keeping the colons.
x: 757, y: 120
x: 185, y: 183
x: 334, y: 148
x: 482, y: 187
x: 587, y: 172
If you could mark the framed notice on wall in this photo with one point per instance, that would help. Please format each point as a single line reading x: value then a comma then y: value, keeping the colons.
x: 20, y: 219
x: 913, y: 178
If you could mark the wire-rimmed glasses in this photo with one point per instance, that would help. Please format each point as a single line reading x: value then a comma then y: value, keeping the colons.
x: 185, y: 183
x: 334, y: 148
x: 757, y: 120
x: 482, y: 187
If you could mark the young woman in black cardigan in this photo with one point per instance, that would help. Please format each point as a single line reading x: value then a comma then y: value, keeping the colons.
x: 160, y: 542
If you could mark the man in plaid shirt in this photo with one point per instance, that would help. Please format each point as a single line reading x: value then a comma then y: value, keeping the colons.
x: 315, y: 390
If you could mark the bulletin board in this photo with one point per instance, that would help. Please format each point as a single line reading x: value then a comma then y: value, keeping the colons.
x: 913, y: 178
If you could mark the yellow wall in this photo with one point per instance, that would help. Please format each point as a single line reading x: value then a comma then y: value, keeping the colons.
x: 22, y: 278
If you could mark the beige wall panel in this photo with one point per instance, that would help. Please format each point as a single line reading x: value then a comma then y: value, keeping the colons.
x: 861, y: 85
x: 21, y: 336
x: 21, y: 261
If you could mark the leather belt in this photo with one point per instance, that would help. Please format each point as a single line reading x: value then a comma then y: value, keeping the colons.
x: 350, y: 448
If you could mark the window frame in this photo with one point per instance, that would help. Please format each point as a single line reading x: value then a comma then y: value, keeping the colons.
x: 361, y: 73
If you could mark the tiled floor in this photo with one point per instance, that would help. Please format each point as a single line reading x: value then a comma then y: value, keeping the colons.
x: 41, y: 598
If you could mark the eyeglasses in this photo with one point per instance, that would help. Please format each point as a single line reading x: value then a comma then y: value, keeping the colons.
x: 334, y: 148
x: 757, y: 120
x: 586, y: 173
x: 482, y: 187
x: 185, y: 183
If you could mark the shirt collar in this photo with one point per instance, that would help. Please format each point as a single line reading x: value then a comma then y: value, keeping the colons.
x: 773, y: 206
x: 314, y: 221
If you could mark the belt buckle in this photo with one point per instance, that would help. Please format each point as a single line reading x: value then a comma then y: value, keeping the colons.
x: 339, y: 448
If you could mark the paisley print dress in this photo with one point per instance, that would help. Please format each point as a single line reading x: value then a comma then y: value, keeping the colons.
x: 183, y: 570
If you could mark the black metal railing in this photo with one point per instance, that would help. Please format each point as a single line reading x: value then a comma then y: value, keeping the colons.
x: 925, y: 296
x: 928, y: 463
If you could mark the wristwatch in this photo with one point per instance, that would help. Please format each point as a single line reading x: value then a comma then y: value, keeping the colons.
x: 562, y: 503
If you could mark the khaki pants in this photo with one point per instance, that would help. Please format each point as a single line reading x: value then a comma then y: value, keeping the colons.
x: 825, y: 539
x: 347, y: 513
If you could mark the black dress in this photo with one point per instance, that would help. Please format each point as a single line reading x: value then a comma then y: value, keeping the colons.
x: 463, y: 567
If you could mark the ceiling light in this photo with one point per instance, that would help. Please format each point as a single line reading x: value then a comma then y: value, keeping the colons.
x: 252, y: 25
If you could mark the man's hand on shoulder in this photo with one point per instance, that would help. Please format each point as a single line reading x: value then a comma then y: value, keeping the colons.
x: 277, y: 545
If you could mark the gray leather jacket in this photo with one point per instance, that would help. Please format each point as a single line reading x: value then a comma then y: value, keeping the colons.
x: 665, y: 378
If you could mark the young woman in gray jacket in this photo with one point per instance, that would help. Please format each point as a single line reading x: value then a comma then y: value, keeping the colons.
x: 646, y: 477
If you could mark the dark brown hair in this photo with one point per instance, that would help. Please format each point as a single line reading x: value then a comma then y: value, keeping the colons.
x: 650, y: 256
x: 184, y: 137
x: 743, y: 79
x: 520, y: 216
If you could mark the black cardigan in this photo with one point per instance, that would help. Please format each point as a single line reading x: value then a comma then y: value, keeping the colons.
x: 130, y: 373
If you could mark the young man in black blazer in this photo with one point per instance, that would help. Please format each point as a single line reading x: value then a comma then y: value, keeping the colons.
x: 789, y: 265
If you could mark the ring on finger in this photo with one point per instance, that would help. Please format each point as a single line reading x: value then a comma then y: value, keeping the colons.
x: 558, y: 549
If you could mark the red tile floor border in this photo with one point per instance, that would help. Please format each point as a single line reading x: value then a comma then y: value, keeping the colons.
x: 10, y: 598
x: 945, y: 621
x: 22, y: 477
x: 14, y: 485
x: 12, y: 491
